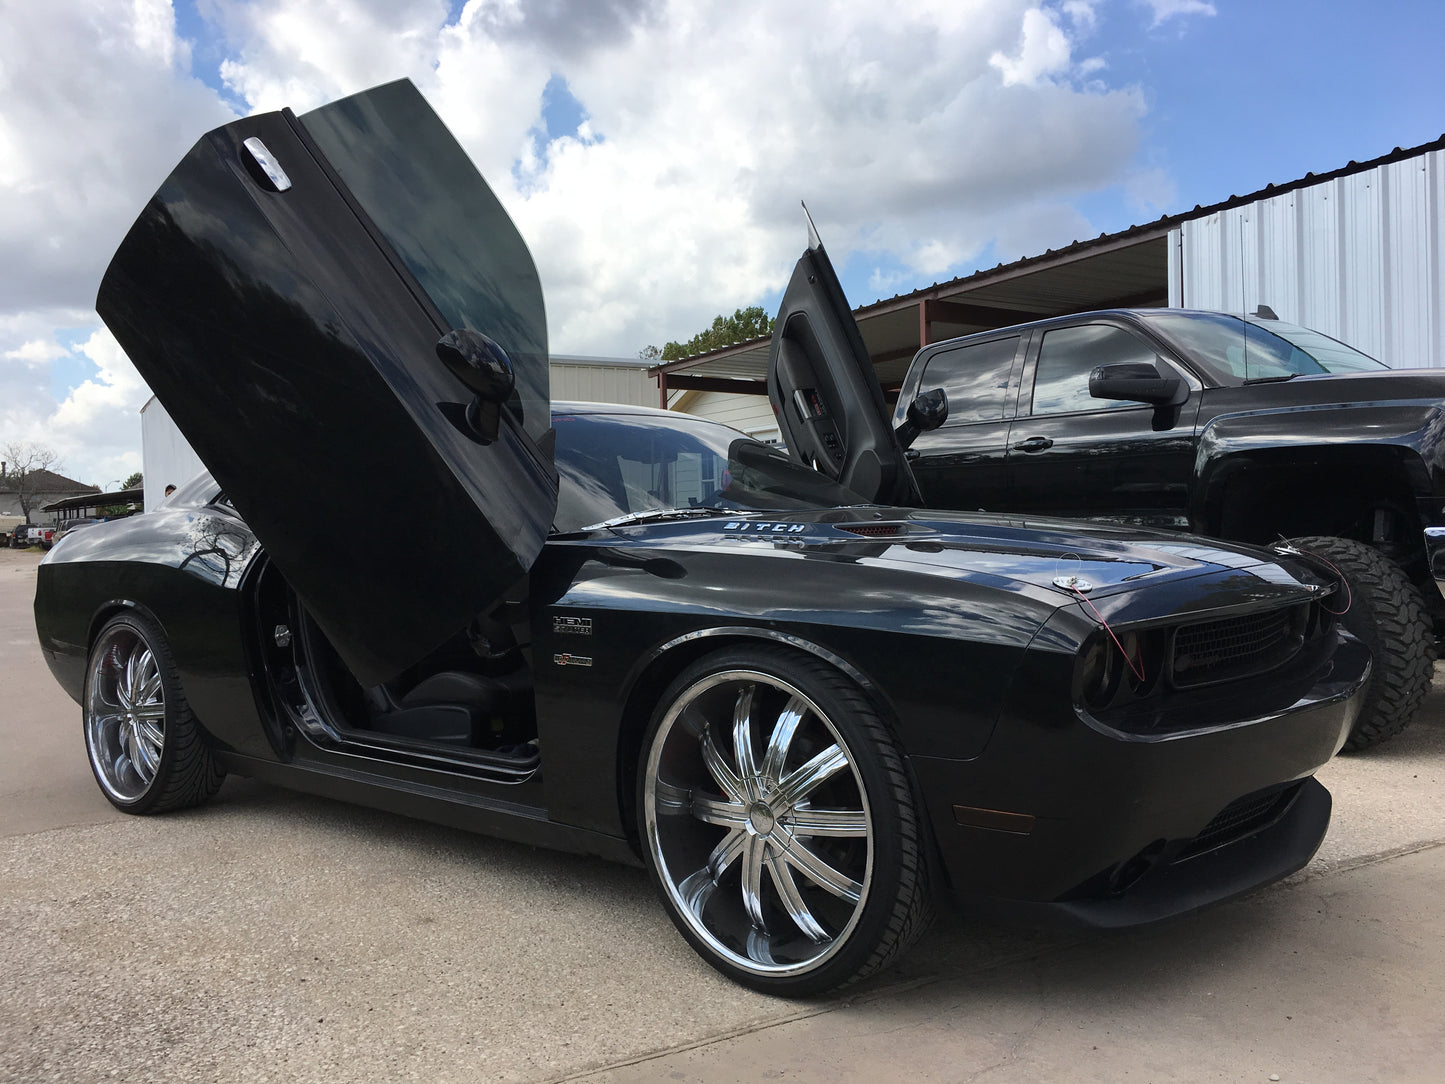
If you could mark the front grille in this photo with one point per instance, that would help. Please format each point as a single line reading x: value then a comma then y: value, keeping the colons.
x: 1240, y: 818
x: 1236, y: 647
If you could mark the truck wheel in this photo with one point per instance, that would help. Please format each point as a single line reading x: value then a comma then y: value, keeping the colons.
x: 1388, y: 614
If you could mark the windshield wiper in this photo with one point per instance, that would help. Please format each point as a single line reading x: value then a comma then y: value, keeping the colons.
x: 1272, y: 379
x: 654, y: 514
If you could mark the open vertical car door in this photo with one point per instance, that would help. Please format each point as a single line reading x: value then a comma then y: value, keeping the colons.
x: 345, y: 324
x: 825, y: 392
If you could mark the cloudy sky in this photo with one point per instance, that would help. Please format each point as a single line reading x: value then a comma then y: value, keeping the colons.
x: 653, y: 152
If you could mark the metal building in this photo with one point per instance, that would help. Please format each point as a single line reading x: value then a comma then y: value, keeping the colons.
x: 1358, y: 253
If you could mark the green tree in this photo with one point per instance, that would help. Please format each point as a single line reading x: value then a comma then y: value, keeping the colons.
x: 743, y: 325
x: 27, y: 469
x: 133, y: 481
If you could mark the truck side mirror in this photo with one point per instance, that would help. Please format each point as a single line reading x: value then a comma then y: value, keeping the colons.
x: 925, y: 414
x: 1144, y: 383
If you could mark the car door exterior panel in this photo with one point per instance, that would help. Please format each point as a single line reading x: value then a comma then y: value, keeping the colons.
x: 297, y: 356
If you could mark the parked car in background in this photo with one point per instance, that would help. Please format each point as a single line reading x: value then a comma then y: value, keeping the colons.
x: 1248, y: 429
x: 31, y: 534
x: 639, y: 634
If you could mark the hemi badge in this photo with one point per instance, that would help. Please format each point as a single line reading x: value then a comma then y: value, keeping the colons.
x: 571, y: 660
x: 577, y: 626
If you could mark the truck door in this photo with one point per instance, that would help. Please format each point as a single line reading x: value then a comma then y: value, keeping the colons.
x: 1072, y: 455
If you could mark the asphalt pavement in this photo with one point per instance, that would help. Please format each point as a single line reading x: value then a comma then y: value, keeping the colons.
x: 276, y: 937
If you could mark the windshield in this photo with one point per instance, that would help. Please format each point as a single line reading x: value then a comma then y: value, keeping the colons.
x: 1233, y: 350
x: 613, y: 465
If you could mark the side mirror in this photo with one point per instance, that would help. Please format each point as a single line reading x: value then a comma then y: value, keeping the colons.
x: 482, y: 365
x: 925, y: 414
x: 1142, y: 382
x: 479, y: 363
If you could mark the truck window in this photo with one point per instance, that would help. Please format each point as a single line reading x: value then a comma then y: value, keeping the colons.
x: 975, y: 378
x: 1069, y: 354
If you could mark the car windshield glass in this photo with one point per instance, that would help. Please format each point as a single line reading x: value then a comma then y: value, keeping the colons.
x: 614, y: 465
x: 1234, y: 350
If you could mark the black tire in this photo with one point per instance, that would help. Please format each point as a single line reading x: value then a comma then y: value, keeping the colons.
x: 1389, y: 615
x: 817, y: 887
x: 148, y: 753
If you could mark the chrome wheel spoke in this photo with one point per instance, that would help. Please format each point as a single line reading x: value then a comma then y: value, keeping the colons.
x: 145, y: 758
x: 806, y: 779
x: 792, y: 900
x: 726, y: 853
x: 151, y: 736
x: 718, y: 768
x: 743, y: 740
x: 754, y: 851
x: 782, y: 739
x: 132, y: 677
x: 722, y: 813
x: 804, y: 859
x: 827, y: 822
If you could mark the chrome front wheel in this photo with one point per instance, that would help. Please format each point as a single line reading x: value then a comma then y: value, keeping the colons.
x: 779, y: 823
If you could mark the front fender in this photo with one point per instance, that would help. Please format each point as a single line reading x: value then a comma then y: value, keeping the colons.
x: 1400, y: 445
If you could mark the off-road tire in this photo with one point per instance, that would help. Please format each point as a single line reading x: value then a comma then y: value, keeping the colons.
x: 1389, y: 615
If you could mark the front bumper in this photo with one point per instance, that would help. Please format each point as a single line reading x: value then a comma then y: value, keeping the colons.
x: 1115, y: 830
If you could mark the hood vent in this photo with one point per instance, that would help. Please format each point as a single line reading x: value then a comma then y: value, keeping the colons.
x: 875, y: 530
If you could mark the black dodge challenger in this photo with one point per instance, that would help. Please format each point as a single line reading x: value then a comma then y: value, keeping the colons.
x: 637, y: 634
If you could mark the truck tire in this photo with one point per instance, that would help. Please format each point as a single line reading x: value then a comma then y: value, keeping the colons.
x: 1388, y: 614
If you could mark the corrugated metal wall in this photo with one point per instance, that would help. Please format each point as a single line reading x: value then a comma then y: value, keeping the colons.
x: 1358, y: 257
x: 603, y: 383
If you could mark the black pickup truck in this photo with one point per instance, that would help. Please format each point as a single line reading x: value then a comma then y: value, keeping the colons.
x: 1240, y: 428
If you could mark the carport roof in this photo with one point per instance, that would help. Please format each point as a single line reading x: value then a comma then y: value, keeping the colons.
x: 1127, y: 269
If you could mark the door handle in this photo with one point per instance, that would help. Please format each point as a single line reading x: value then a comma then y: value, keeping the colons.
x: 1034, y: 444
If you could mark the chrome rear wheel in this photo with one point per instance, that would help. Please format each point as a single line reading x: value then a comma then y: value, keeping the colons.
x: 145, y: 747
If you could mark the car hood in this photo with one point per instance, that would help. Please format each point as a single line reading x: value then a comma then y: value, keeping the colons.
x: 1122, y: 573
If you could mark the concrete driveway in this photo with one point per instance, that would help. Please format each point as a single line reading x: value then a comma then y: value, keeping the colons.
x: 271, y: 936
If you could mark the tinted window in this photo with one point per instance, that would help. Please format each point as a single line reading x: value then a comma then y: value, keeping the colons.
x: 1069, y: 354
x: 613, y: 465
x: 975, y: 378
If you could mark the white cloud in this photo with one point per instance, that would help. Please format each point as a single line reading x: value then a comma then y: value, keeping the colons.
x: 1043, y: 50
x: 1165, y: 10
x: 919, y: 135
